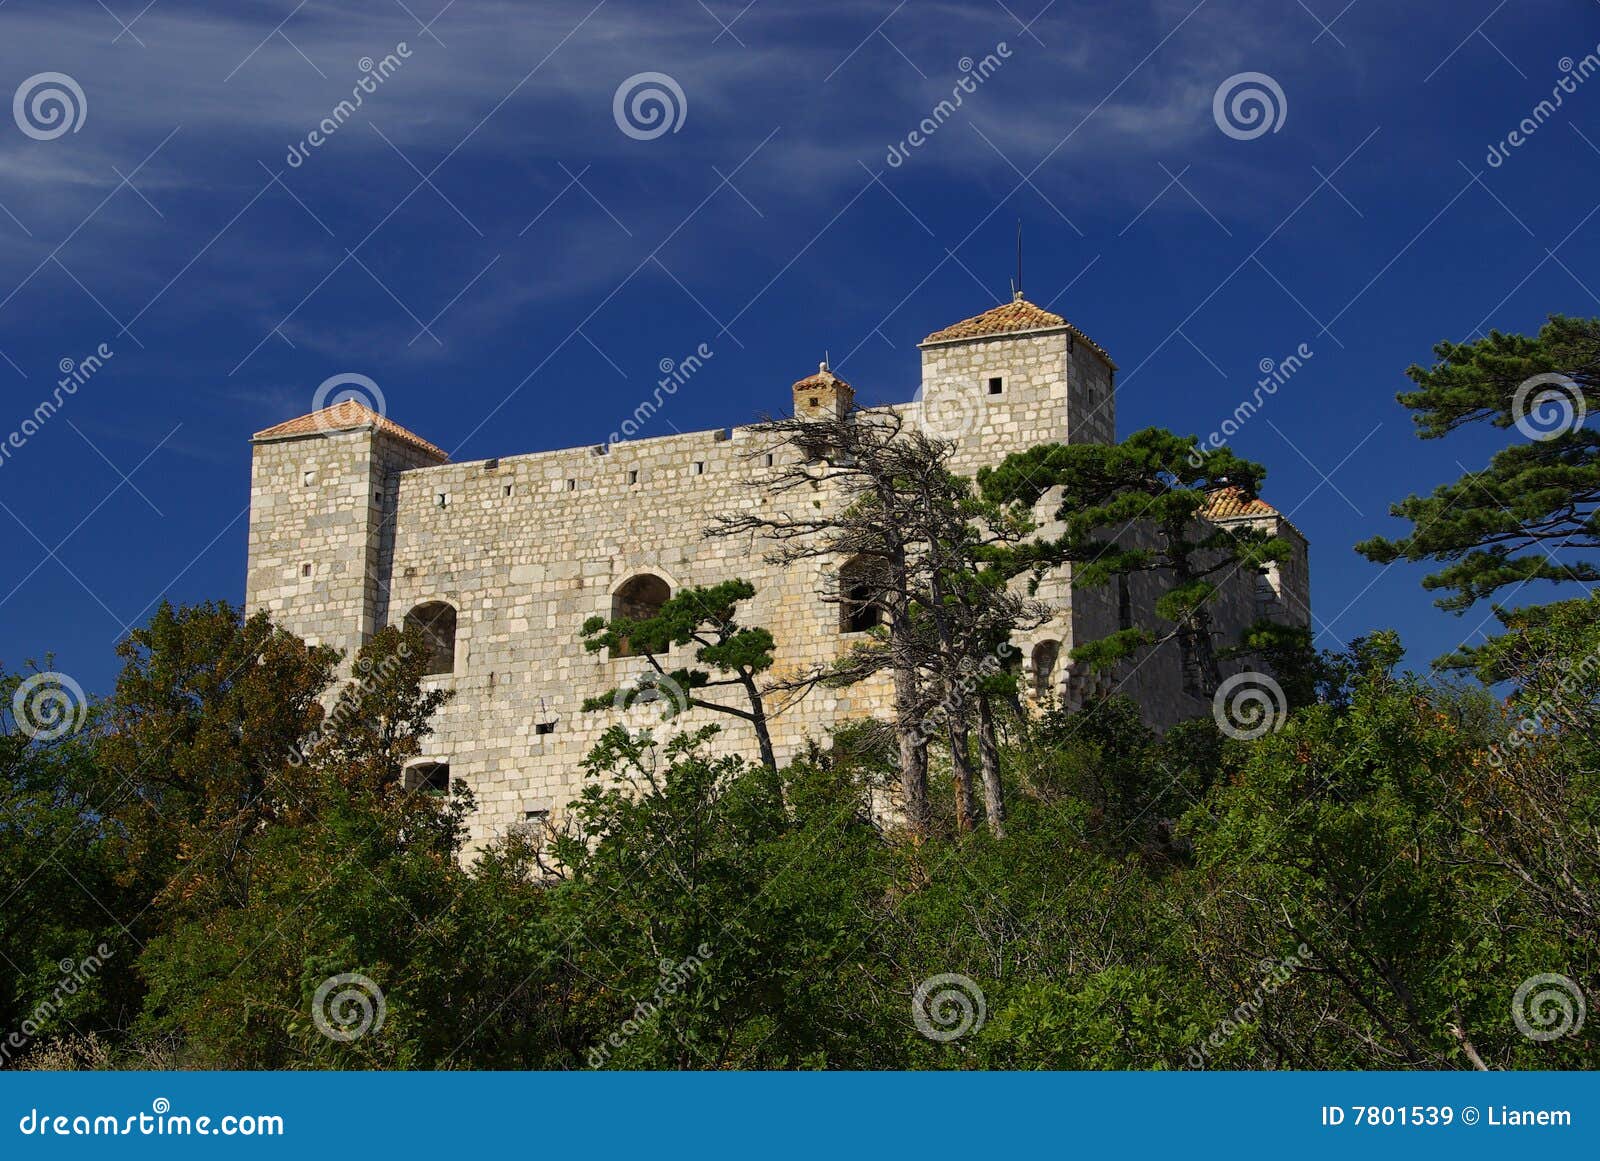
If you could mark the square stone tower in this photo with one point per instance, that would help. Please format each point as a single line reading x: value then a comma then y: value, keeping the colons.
x: 1012, y: 377
x: 322, y: 513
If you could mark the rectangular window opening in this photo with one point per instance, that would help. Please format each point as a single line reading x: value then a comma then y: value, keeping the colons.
x: 699, y: 468
x: 996, y: 385
x: 633, y: 476
x: 572, y: 485
x: 544, y: 727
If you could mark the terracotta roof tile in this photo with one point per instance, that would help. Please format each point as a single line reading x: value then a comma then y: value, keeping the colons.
x: 822, y: 378
x: 347, y: 415
x: 1018, y: 316
x: 1232, y: 501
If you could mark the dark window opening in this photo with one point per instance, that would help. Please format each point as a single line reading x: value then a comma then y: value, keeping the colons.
x: 544, y: 727
x: 1124, y: 604
x: 428, y: 777
x: 1045, y: 656
x: 639, y: 599
x: 861, y: 586
x: 436, y: 621
x: 996, y: 385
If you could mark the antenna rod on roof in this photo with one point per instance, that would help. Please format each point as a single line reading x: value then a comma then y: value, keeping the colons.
x: 1019, y: 259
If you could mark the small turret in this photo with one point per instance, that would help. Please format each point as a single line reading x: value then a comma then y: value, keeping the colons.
x: 823, y: 395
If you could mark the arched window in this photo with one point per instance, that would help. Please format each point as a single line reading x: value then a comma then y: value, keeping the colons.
x: 861, y: 585
x: 1045, y: 655
x: 436, y: 621
x: 639, y: 599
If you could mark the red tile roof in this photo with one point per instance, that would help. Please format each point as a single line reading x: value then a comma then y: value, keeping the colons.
x: 1019, y: 316
x: 348, y: 415
x: 823, y: 378
x: 1232, y: 501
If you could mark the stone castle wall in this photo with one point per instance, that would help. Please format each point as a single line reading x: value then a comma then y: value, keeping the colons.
x: 350, y: 530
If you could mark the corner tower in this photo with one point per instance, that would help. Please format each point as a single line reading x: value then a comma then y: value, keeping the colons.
x: 322, y: 499
x: 1015, y: 376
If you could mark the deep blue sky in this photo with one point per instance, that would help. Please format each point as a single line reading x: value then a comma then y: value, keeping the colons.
x: 557, y: 261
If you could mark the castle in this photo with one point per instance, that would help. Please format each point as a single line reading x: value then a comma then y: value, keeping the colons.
x: 357, y: 523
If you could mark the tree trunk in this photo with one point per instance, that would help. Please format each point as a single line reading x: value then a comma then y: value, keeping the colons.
x: 961, y: 770
x: 913, y: 753
x: 994, y: 803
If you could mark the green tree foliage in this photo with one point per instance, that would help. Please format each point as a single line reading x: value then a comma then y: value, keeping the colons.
x: 1523, y: 516
x: 735, y: 655
x: 1133, y: 508
x: 1366, y: 887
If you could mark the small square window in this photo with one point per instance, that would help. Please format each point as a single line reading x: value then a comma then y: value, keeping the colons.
x: 377, y: 497
x: 544, y: 727
x: 996, y: 385
x: 633, y: 476
x: 307, y: 478
x: 572, y: 485
x: 506, y: 491
x: 305, y: 570
x: 441, y: 500
x: 812, y: 402
x: 699, y: 468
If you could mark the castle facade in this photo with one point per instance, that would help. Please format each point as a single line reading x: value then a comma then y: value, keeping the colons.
x: 357, y: 523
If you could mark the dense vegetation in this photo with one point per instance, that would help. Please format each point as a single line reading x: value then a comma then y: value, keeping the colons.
x: 1366, y: 886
